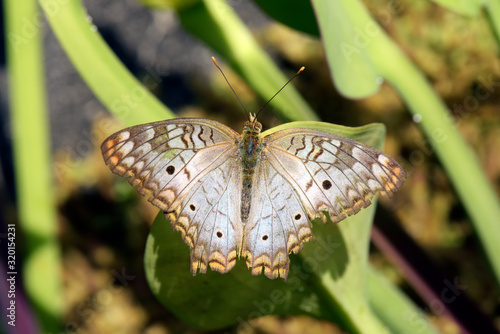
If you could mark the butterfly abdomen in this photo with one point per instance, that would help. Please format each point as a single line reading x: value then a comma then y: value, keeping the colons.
x: 250, y: 153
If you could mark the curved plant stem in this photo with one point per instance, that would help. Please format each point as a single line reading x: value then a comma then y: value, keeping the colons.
x: 216, y: 24
x: 492, y: 8
x: 365, y: 39
x: 101, y: 69
x: 31, y: 143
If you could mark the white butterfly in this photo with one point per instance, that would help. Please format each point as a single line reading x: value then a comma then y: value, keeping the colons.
x: 248, y: 195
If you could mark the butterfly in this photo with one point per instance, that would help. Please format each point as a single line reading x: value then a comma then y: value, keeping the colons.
x: 248, y: 195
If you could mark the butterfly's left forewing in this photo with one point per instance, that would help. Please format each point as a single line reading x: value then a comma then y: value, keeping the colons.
x: 331, y: 173
x: 166, y: 158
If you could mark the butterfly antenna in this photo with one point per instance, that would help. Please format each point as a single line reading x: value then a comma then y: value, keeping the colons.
x: 215, y: 62
x: 265, y: 104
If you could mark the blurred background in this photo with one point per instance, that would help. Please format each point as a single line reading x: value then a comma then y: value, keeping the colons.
x: 103, y: 224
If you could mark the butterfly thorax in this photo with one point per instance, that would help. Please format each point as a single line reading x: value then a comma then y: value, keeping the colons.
x: 250, y: 148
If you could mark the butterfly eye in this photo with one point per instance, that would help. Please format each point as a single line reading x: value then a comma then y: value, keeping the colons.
x: 298, y: 216
x: 327, y: 184
x: 170, y: 170
x: 265, y: 237
x: 192, y: 207
x: 219, y: 234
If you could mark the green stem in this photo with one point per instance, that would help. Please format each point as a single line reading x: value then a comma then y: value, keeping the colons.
x: 367, y: 40
x: 31, y: 142
x: 215, y: 23
x: 492, y: 8
x: 457, y: 157
x: 101, y: 69
x: 402, y: 316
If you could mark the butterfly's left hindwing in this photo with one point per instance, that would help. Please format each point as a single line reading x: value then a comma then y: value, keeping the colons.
x: 209, y: 219
x: 278, y: 224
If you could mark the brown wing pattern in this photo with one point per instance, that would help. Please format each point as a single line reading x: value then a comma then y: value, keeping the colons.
x: 189, y: 168
x: 331, y: 173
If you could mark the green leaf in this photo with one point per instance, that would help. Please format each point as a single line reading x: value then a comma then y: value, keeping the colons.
x: 348, y: 31
x: 464, y: 7
x: 297, y: 14
x: 326, y: 280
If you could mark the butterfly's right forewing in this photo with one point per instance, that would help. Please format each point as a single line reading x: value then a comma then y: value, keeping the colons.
x: 189, y: 168
x: 165, y: 158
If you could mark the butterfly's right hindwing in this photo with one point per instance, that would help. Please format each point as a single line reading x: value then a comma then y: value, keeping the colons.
x: 209, y: 219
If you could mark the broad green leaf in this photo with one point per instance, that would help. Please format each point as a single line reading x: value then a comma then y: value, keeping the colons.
x: 326, y: 280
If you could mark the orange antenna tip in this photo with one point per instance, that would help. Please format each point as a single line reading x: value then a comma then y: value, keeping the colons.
x: 215, y: 62
x: 265, y: 104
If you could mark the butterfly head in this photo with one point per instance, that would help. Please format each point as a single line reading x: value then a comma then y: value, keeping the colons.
x: 252, y: 125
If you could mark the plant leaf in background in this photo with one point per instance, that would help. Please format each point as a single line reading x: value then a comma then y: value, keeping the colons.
x: 298, y: 15
x: 464, y: 7
x: 354, y: 75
